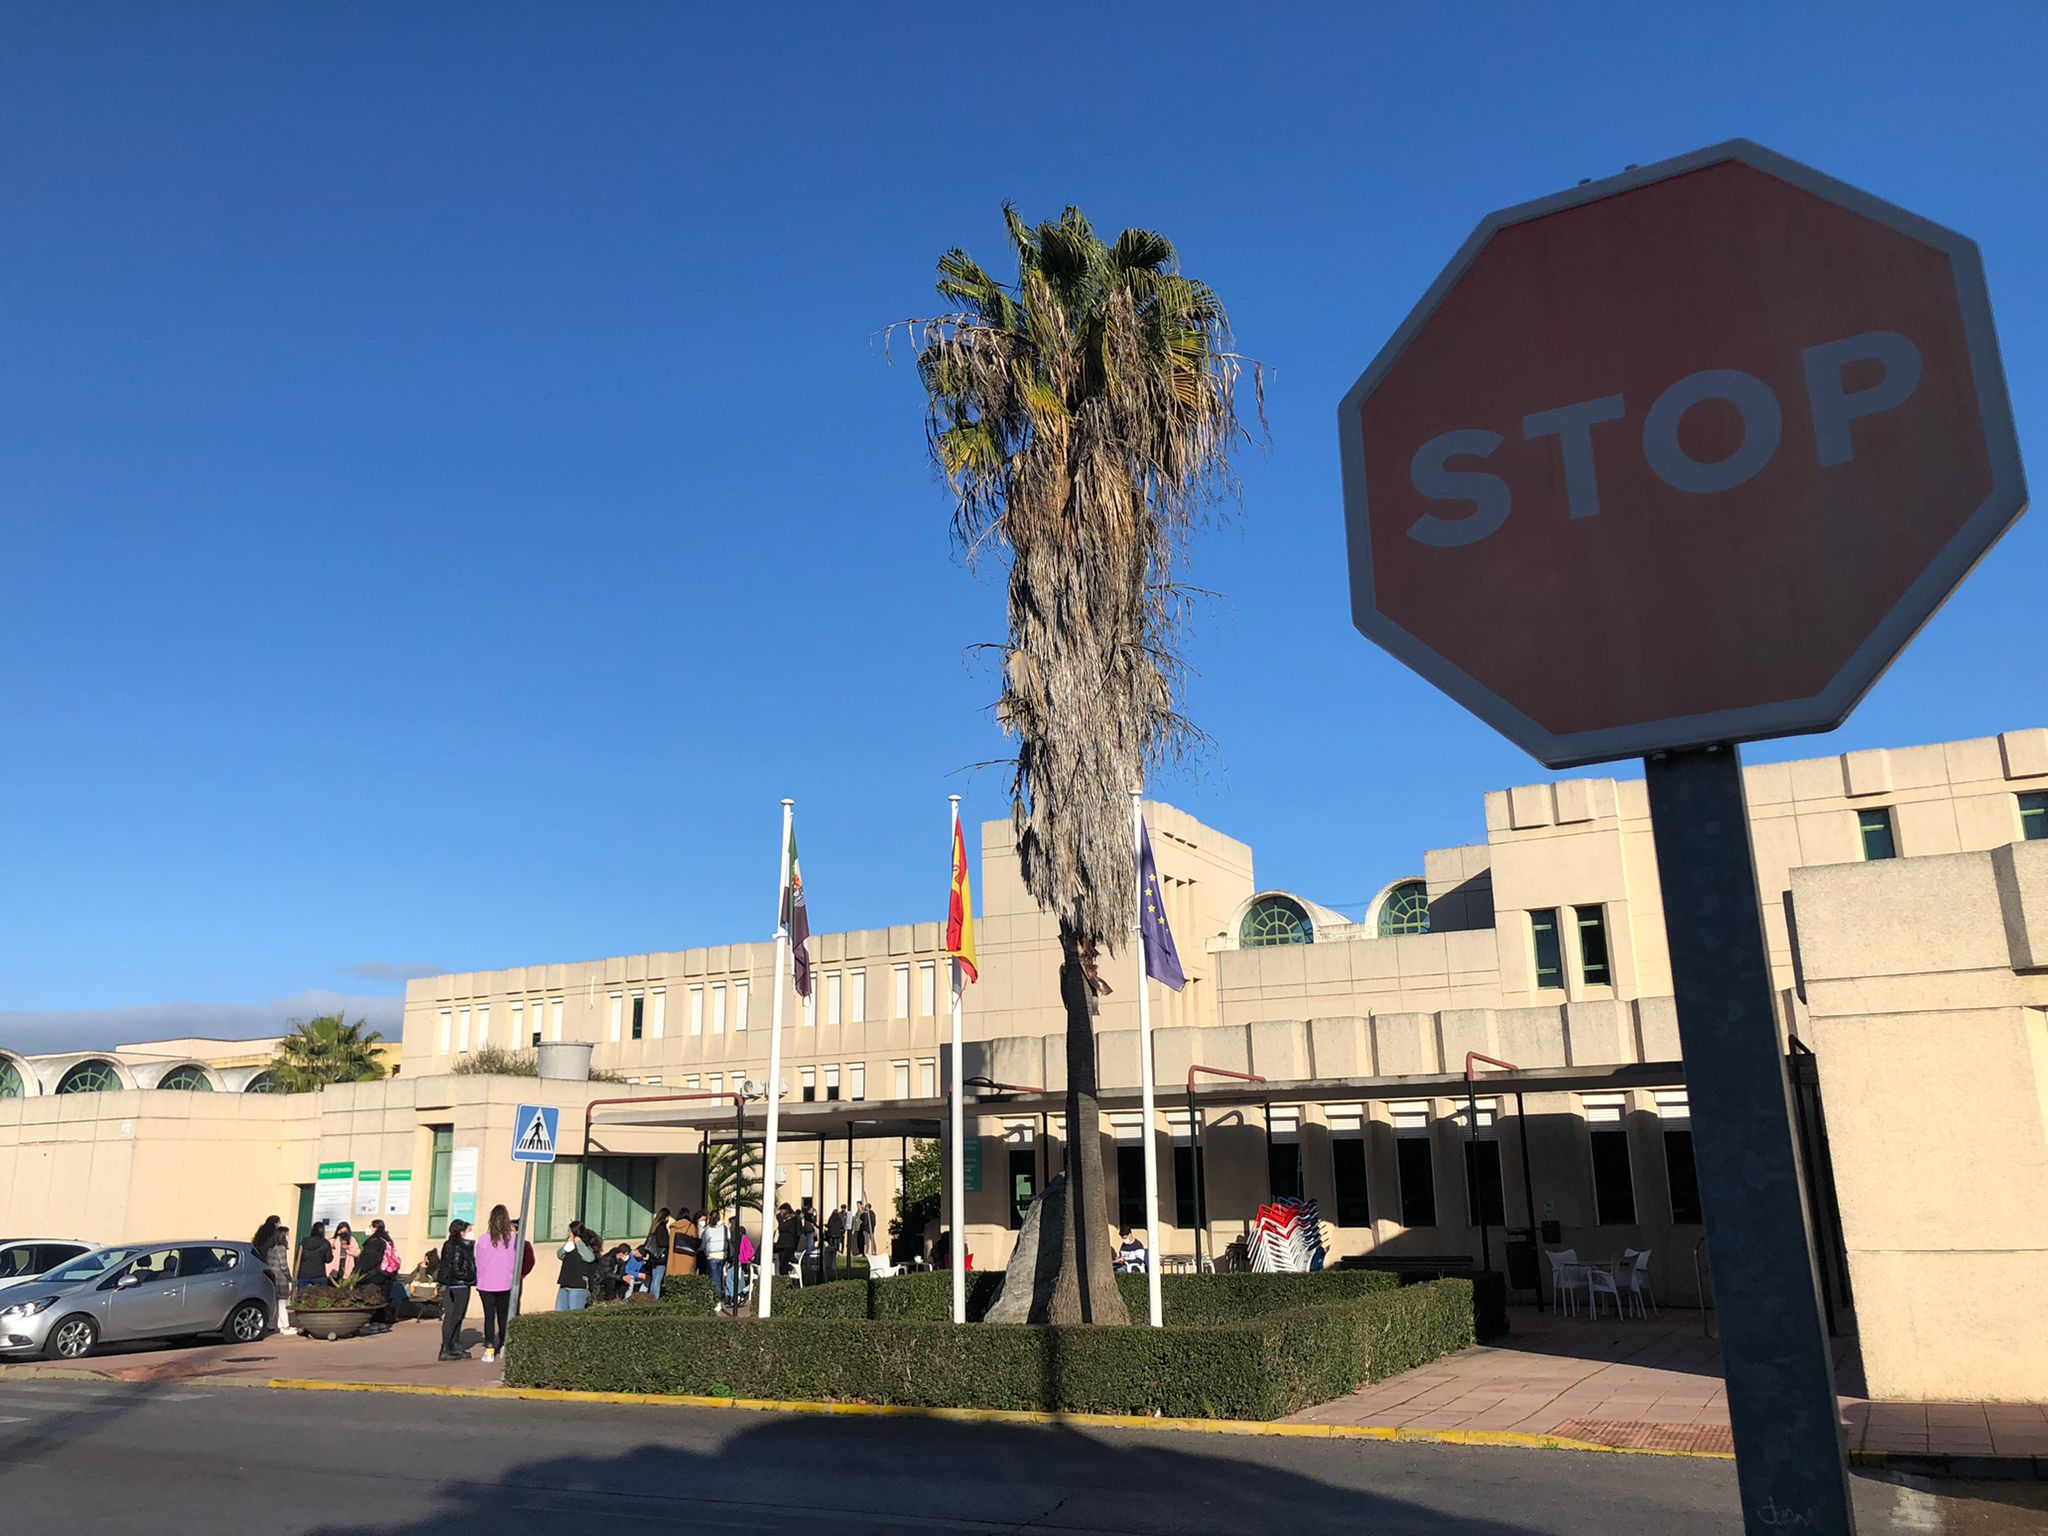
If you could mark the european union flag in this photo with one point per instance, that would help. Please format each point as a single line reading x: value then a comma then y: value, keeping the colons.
x: 1162, y: 960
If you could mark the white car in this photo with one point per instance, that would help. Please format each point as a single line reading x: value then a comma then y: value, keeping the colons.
x: 23, y: 1258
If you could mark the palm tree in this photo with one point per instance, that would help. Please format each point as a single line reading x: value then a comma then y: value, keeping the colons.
x: 325, y: 1050
x: 1083, y: 417
x: 732, y: 1177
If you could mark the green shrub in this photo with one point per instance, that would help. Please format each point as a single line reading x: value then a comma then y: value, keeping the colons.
x: 681, y: 1293
x: 1219, y: 1298
x: 1259, y: 1366
x: 928, y: 1297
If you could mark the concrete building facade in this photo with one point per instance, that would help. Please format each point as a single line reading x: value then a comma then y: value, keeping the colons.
x: 1541, y: 947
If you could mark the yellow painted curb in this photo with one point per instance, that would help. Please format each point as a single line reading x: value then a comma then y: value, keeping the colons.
x: 1253, y: 1427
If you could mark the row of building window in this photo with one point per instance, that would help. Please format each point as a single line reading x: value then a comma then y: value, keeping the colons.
x: 1880, y: 839
x: 642, y: 1014
x: 95, y: 1076
x: 829, y: 1084
x: 1595, y: 969
x: 846, y: 994
x: 1611, y: 1169
x: 1611, y: 1165
x: 462, y: 1030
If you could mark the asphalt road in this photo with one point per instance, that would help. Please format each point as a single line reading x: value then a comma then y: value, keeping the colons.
x: 176, y: 1459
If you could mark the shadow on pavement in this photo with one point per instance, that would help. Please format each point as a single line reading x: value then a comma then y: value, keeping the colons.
x: 877, y: 1475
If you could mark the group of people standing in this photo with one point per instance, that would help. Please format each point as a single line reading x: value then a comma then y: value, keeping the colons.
x: 716, y: 1241
x: 799, y: 1235
x: 677, y: 1244
x: 370, y: 1264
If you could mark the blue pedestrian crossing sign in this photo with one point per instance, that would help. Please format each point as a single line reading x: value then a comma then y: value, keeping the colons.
x: 533, y: 1133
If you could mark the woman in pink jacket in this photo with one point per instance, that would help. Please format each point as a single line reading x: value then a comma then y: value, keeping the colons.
x: 497, y: 1261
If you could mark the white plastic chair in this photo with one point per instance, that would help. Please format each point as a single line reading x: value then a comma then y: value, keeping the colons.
x: 1564, y: 1278
x: 1600, y: 1282
x: 877, y: 1270
x: 794, y: 1270
x: 1639, y: 1285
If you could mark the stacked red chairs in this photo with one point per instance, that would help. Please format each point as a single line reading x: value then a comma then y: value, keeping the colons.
x: 1287, y: 1238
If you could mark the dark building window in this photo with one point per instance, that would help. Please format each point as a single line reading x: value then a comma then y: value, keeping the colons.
x: 1130, y: 1186
x: 1684, y: 1176
x: 1024, y: 1183
x: 1483, y: 1198
x: 1593, y: 946
x: 1348, y: 1155
x: 639, y: 1014
x: 1418, y: 1180
x: 1614, y: 1187
x: 1876, y: 827
x: 1283, y: 1170
x: 2034, y: 817
x: 1549, y: 952
x: 1187, y: 1173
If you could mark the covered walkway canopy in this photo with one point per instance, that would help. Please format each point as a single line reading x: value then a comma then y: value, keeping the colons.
x: 724, y: 1119
x: 821, y: 1122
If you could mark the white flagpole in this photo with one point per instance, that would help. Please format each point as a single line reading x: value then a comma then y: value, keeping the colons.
x: 957, y: 1253
x: 766, y: 1247
x: 1154, y: 1307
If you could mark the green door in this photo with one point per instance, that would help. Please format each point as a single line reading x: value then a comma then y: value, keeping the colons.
x: 305, y: 1213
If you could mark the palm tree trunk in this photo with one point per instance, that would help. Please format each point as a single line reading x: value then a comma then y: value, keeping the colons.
x: 1085, y: 1291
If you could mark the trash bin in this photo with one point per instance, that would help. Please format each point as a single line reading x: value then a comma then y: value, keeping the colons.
x: 1521, y: 1262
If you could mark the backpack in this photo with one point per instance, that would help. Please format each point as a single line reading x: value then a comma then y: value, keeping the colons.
x: 390, y: 1265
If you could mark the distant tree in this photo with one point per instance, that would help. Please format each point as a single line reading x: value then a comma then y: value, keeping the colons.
x: 917, y: 1200
x: 496, y: 1061
x: 327, y: 1050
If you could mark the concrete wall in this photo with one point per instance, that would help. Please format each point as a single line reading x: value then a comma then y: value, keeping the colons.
x: 1573, y: 843
x: 1927, y: 990
x: 111, y: 1167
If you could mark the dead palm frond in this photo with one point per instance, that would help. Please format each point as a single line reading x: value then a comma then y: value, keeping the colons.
x: 1084, y: 418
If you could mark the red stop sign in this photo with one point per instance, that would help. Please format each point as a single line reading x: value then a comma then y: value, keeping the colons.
x: 1683, y: 456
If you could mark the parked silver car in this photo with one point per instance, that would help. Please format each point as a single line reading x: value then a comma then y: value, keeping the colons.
x: 139, y: 1291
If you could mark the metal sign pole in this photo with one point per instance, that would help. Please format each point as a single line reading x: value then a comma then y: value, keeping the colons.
x: 1774, y: 1346
x: 518, y: 1262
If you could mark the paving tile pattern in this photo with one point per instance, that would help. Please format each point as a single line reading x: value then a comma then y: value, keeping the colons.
x: 1650, y: 1437
x: 1652, y: 1385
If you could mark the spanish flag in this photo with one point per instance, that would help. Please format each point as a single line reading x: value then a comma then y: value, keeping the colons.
x: 960, y: 914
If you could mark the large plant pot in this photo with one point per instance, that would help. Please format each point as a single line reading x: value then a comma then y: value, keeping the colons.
x: 332, y: 1323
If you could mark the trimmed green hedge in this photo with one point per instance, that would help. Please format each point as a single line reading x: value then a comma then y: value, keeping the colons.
x: 1253, y: 1367
x: 928, y: 1297
x: 681, y: 1293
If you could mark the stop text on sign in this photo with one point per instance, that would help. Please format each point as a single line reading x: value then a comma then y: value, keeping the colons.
x: 1833, y: 408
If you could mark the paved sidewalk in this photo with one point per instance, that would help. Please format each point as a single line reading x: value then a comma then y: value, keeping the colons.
x: 1638, y: 1386
x: 1652, y: 1385
x: 405, y: 1356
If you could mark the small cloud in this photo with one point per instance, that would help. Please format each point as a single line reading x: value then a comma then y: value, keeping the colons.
x: 31, y: 1031
x: 392, y: 970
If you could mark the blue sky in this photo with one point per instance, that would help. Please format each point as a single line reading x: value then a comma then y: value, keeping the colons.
x: 452, y: 484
